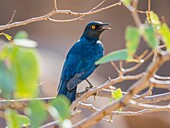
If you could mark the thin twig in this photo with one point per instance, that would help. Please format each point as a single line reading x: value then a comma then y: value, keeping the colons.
x: 160, y: 83
x: 161, y: 77
x: 21, y: 103
x: 11, y: 20
x: 49, y: 124
x: 147, y: 93
x: 77, y: 18
x: 134, y: 89
x: 105, y: 85
x: 134, y: 13
x: 142, y: 12
x: 122, y: 113
x: 115, y: 66
x: 149, y: 106
x: 147, y: 99
x: 55, y: 4
x: 54, y: 12
x: 139, y: 64
x: 149, y: 6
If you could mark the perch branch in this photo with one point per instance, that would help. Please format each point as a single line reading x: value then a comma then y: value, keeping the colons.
x: 134, y: 89
x: 122, y: 113
x: 21, y: 103
x: 149, y: 106
x: 161, y: 77
x: 105, y: 85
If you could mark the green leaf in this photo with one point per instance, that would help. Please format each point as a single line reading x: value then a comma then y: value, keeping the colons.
x: 25, y: 43
x: 7, y: 82
x: 61, y: 103
x: 126, y: 2
x: 153, y: 18
x: 23, y: 120
x: 6, y: 51
x: 117, y: 94
x: 132, y: 37
x: 7, y: 36
x: 12, y: 121
x: 113, y: 56
x: 37, y: 112
x: 21, y: 35
x: 165, y: 34
x: 150, y: 37
x: 25, y: 67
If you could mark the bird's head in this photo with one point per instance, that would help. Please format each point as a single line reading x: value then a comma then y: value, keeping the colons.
x: 94, y: 29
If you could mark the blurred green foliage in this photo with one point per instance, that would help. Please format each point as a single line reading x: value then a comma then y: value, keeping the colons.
x: 19, y: 71
x: 36, y: 110
x: 113, y: 56
x: 20, y: 65
x: 19, y: 76
x: 14, y: 120
x: 132, y: 37
x: 151, y: 32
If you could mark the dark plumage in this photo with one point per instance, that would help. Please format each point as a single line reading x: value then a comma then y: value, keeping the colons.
x: 80, y: 60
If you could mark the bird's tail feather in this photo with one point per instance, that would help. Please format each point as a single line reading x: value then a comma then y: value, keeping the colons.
x: 71, y: 95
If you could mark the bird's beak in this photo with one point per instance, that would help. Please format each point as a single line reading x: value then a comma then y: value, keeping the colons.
x: 105, y: 26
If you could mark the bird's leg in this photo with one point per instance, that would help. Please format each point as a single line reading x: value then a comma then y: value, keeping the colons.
x: 91, y: 86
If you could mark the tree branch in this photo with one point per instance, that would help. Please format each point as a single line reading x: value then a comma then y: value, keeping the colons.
x: 105, y: 85
x: 122, y: 113
x: 134, y: 89
x: 55, y: 12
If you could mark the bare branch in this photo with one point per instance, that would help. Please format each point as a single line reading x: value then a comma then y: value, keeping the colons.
x: 114, y: 65
x: 21, y: 103
x: 154, y: 98
x: 55, y: 4
x: 138, y: 64
x: 134, y: 89
x: 147, y: 99
x: 149, y: 6
x: 147, y: 93
x: 53, y: 123
x: 134, y: 13
x: 148, y: 106
x: 161, y: 77
x: 160, y: 83
x: 54, y: 12
x: 105, y: 85
x: 121, y: 113
x: 11, y: 20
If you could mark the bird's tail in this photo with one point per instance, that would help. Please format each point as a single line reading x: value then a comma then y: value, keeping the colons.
x: 71, y: 95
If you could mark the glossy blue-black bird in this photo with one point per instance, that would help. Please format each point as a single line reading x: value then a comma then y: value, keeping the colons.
x: 80, y: 60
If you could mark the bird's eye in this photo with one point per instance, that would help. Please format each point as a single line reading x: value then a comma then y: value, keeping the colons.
x: 93, y: 27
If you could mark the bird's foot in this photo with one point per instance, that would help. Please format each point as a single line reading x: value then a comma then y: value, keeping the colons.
x: 94, y: 95
x: 90, y: 84
x: 87, y: 88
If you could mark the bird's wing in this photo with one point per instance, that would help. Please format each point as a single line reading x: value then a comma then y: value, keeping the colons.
x: 84, y: 68
x: 70, y: 64
x: 78, y: 66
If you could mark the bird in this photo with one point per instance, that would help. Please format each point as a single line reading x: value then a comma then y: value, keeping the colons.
x: 80, y: 60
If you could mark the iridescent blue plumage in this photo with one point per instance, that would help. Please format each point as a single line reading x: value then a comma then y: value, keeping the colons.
x: 80, y: 60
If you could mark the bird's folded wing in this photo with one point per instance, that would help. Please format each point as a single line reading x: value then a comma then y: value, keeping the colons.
x: 83, y: 70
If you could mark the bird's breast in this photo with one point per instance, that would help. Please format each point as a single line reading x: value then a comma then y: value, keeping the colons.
x: 92, y: 51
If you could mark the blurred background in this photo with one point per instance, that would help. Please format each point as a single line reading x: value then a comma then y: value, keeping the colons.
x: 55, y: 39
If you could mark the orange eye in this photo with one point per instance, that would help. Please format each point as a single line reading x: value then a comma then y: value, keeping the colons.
x: 93, y: 27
